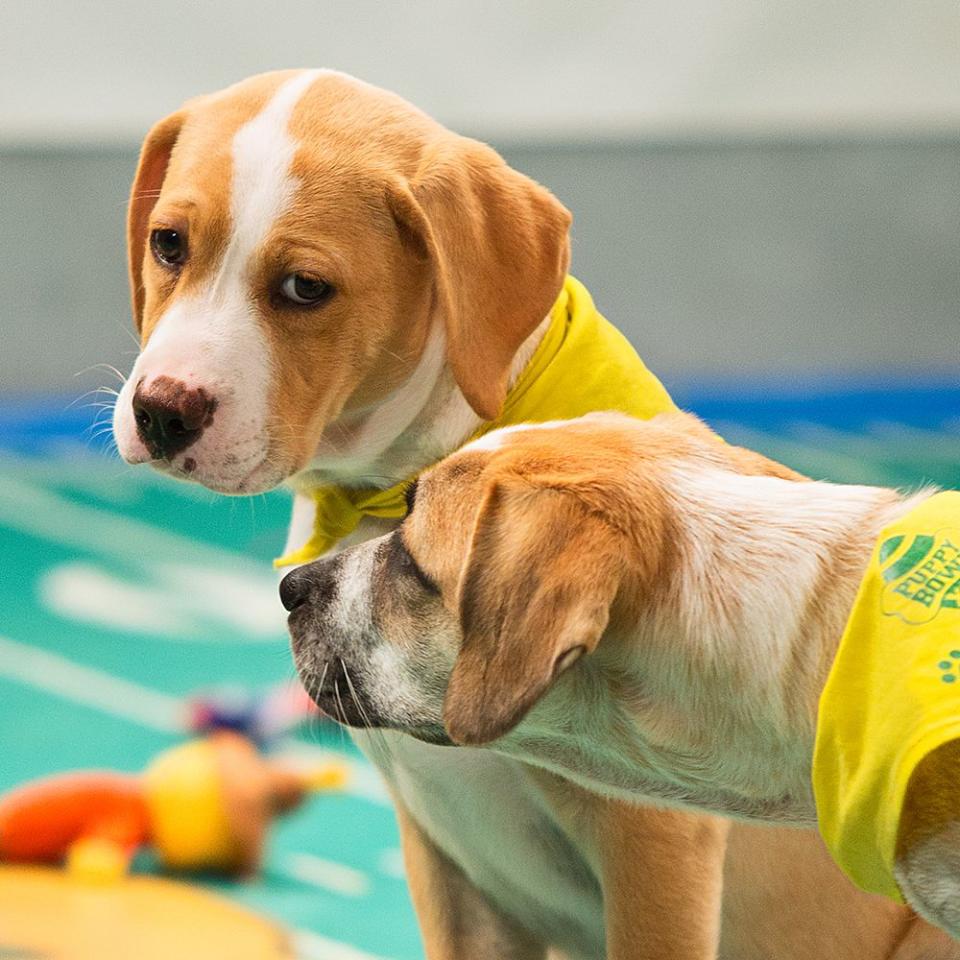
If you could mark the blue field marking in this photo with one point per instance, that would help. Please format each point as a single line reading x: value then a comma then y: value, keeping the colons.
x: 852, y: 404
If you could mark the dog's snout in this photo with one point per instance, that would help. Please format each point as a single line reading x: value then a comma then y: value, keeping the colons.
x: 170, y: 416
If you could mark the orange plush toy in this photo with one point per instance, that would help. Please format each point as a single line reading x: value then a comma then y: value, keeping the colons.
x: 203, y: 805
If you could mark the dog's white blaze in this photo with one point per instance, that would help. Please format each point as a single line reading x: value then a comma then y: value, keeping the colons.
x: 262, y: 186
x: 497, y: 438
x: 353, y: 593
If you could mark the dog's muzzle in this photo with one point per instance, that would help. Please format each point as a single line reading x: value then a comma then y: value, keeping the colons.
x: 319, y: 654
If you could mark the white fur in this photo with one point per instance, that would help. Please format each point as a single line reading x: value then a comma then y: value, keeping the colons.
x: 497, y: 438
x: 214, y: 340
x: 352, y: 447
x: 490, y: 815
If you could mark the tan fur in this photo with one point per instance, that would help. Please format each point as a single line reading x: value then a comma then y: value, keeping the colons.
x: 640, y: 850
x: 151, y: 171
x: 499, y: 250
x: 653, y: 865
x: 535, y: 594
x: 927, y: 859
x: 793, y: 903
x: 600, y: 468
x: 661, y: 875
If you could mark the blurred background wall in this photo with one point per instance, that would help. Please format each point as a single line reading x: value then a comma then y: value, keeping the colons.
x: 769, y: 189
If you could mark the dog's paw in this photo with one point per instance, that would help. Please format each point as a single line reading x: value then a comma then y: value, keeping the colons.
x: 928, y: 875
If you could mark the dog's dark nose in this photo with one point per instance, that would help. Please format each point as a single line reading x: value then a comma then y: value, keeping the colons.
x: 314, y: 582
x: 170, y: 415
x: 294, y: 589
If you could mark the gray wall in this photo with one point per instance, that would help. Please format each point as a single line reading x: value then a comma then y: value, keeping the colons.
x: 103, y: 70
x: 759, y: 258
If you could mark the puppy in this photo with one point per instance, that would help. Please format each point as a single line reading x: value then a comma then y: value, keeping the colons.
x: 332, y: 291
x: 615, y: 608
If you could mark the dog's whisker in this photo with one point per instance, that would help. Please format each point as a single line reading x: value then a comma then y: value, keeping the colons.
x: 376, y: 739
x: 353, y: 696
x: 341, y: 713
x: 89, y: 393
x: 105, y: 366
x: 313, y: 687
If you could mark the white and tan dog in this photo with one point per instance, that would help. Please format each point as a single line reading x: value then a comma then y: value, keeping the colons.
x: 634, y: 607
x: 332, y: 288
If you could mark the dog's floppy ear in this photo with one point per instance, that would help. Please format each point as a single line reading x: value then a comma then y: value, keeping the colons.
x: 151, y: 170
x: 499, y: 246
x: 535, y: 595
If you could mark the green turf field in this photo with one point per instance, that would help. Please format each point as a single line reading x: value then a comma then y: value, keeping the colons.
x: 122, y: 592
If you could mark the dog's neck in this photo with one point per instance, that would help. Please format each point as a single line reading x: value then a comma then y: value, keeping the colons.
x: 421, y: 422
x: 710, y: 698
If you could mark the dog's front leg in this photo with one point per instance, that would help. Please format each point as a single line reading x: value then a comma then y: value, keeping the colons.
x: 662, y: 874
x: 457, y: 921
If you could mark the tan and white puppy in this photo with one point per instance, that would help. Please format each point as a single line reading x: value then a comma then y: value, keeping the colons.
x: 633, y: 607
x: 330, y: 287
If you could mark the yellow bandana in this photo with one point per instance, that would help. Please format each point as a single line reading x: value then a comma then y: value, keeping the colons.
x: 893, y: 695
x: 582, y: 364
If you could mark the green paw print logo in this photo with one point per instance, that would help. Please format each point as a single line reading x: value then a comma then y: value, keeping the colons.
x: 948, y: 668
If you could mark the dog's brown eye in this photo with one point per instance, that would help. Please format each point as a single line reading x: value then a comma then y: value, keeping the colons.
x: 169, y: 247
x: 408, y: 564
x: 307, y: 291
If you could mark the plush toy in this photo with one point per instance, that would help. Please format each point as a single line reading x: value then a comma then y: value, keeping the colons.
x: 264, y: 717
x: 203, y: 805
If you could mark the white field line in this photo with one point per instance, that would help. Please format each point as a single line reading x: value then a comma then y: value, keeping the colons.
x: 91, y: 687
x: 391, y: 864
x: 326, y: 874
x: 313, y: 946
x: 884, y: 440
x: 50, y: 517
x: 246, y: 589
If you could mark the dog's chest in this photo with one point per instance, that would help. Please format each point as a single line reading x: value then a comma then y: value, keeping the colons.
x: 490, y: 817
